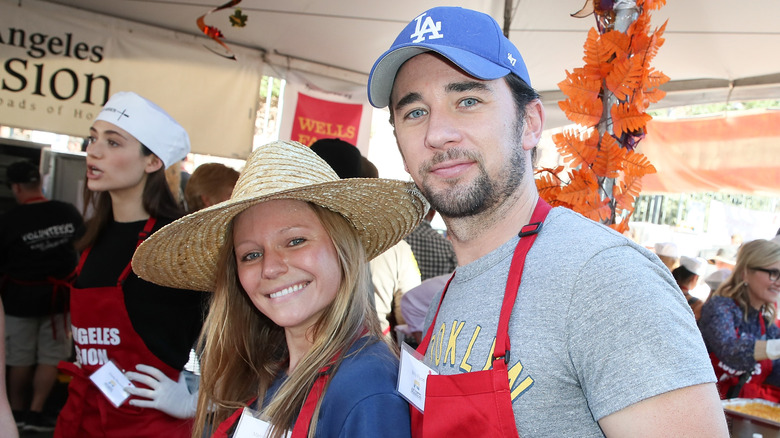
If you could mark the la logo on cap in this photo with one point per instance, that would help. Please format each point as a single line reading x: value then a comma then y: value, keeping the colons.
x: 424, y: 27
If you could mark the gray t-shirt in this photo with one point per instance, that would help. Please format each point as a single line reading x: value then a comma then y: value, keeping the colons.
x: 598, y: 324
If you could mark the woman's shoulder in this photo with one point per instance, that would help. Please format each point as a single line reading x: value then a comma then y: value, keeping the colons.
x: 370, y: 354
x: 361, y: 399
x: 370, y: 367
x: 721, y: 302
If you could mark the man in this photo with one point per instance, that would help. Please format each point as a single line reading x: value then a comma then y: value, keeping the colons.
x: 36, y: 257
x: 433, y: 251
x: 602, y: 341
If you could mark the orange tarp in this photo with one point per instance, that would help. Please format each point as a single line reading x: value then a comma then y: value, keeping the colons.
x: 731, y: 153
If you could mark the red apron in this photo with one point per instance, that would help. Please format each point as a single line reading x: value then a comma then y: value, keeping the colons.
x: 301, y: 427
x: 754, y: 387
x: 480, y: 400
x: 103, y: 331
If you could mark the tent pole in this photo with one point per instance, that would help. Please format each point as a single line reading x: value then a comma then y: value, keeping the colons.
x: 507, y: 16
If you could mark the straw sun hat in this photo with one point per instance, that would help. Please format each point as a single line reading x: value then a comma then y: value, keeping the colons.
x: 183, y: 254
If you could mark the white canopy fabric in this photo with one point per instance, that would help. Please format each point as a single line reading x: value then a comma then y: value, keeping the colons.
x: 715, y: 50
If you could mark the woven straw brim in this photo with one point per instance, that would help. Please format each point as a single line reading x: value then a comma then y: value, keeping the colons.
x: 184, y: 253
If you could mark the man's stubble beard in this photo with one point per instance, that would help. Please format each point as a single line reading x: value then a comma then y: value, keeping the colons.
x: 461, y: 200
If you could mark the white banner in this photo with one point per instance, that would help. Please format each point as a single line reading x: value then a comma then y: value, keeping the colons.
x: 60, y: 65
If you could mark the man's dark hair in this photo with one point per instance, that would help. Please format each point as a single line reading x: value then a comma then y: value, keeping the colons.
x: 522, y: 93
x: 23, y: 173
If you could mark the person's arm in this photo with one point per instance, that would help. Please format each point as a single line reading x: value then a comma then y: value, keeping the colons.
x: 692, y: 411
x: 408, y: 278
x: 7, y: 423
x: 720, y: 334
x: 378, y: 416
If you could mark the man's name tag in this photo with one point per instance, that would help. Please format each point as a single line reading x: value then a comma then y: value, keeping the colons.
x: 412, y: 375
x: 251, y: 427
x: 112, y: 383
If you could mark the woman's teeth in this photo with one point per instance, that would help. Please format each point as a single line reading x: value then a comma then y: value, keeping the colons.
x: 288, y: 290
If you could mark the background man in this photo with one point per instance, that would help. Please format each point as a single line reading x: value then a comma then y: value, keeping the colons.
x: 433, y: 251
x: 36, y: 257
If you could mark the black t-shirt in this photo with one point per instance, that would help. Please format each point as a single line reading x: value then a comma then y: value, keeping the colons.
x: 36, y: 242
x: 167, y: 320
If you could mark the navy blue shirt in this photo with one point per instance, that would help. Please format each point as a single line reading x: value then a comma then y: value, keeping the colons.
x: 732, y: 339
x: 361, y: 400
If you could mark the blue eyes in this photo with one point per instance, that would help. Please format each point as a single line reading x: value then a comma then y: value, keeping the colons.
x: 469, y: 102
x: 415, y: 114
x: 254, y: 255
x: 251, y: 256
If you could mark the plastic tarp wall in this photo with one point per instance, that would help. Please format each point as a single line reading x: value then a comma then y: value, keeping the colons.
x: 731, y: 153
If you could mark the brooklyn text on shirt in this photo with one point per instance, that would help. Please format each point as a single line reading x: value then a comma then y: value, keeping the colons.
x: 443, y: 351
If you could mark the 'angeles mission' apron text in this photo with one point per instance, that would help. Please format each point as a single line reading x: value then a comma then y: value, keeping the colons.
x: 85, y: 338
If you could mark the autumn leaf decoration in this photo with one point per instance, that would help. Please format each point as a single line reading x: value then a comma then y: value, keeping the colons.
x: 607, y: 99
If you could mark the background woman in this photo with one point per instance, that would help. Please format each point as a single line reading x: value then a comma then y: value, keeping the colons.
x: 116, y: 316
x: 291, y: 325
x: 738, y: 325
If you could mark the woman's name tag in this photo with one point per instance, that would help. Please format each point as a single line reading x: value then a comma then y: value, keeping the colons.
x: 412, y: 375
x: 250, y: 426
x: 112, y: 383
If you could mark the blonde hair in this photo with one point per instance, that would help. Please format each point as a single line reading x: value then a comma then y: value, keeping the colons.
x: 244, y: 351
x: 754, y: 254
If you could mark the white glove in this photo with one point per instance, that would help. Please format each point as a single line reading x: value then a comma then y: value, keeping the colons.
x: 165, y: 395
x: 773, y: 349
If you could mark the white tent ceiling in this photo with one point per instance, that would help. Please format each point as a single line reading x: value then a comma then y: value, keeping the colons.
x: 715, y: 50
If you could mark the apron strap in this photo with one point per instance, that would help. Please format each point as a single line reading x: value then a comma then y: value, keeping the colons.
x: 527, y: 236
x: 146, y: 232
x: 301, y: 428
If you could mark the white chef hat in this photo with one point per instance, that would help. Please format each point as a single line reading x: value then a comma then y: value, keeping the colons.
x: 667, y: 249
x: 715, y: 279
x: 693, y: 264
x: 149, y: 124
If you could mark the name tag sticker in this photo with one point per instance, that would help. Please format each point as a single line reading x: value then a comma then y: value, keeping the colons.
x: 112, y: 383
x: 412, y: 375
x: 249, y: 426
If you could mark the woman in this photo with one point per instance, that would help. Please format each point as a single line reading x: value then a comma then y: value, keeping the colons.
x: 738, y: 325
x: 291, y: 331
x: 118, y: 318
x: 687, y: 275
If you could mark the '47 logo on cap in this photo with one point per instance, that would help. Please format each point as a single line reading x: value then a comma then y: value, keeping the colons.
x: 424, y: 27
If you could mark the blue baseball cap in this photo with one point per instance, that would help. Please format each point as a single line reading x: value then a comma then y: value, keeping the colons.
x: 471, y: 40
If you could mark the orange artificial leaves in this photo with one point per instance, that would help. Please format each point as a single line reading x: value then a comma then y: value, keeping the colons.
x: 607, y: 97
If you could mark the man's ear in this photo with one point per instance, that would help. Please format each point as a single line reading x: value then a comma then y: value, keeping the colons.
x: 533, y: 125
x: 153, y: 164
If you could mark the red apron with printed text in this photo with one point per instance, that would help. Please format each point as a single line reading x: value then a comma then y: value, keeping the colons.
x: 755, y: 386
x: 481, y: 401
x: 301, y: 427
x: 103, y: 332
